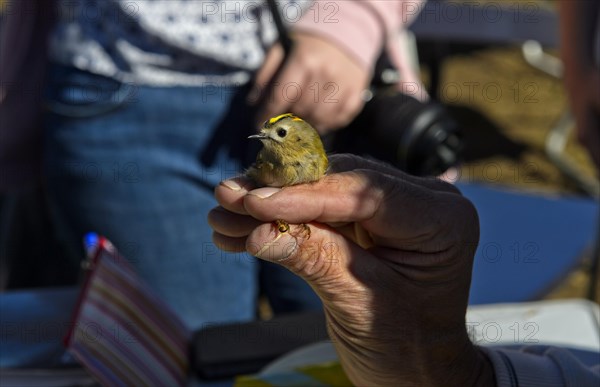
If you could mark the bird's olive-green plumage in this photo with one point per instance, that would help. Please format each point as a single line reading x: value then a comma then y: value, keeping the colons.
x: 292, y: 153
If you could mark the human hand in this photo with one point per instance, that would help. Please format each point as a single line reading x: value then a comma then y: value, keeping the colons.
x: 389, y: 254
x: 319, y: 82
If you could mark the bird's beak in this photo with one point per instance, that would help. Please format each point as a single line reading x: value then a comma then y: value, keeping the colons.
x: 260, y: 136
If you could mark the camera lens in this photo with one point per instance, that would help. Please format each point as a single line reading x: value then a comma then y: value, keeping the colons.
x: 419, y: 138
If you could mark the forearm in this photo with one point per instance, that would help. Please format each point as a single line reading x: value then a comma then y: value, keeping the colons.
x: 578, y: 23
x: 459, y: 363
x: 580, y: 53
x: 426, y: 349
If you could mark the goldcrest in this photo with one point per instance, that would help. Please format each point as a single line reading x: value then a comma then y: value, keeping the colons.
x: 292, y: 153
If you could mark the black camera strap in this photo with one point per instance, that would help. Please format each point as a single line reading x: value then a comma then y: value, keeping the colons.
x: 286, y: 43
x: 284, y: 38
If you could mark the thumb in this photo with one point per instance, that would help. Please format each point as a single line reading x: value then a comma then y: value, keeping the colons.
x: 321, y: 258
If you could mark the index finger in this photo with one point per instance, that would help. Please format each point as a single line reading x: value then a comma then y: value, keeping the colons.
x: 348, y: 162
x: 396, y: 212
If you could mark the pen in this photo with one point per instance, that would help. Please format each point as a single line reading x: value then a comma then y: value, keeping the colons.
x: 91, y: 241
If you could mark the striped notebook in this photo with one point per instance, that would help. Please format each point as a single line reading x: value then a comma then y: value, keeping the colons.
x: 122, y: 333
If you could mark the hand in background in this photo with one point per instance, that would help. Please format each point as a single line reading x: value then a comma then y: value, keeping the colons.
x: 389, y: 254
x: 319, y: 83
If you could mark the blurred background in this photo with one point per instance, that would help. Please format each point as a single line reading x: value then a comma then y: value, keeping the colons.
x: 507, y: 109
x: 535, y: 186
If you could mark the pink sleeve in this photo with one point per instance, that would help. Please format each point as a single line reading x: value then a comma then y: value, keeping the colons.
x: 358, y: 26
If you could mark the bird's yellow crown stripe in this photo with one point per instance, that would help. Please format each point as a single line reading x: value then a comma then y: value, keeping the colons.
x: 282, y: 116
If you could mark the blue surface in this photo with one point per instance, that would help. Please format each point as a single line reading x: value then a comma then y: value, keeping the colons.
x: 528, y: 242
x: 33, y: 324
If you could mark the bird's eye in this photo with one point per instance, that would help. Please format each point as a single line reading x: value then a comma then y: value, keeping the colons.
x: 281, y: 132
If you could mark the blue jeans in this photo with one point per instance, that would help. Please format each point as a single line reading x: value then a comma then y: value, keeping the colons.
x: 138, y: 165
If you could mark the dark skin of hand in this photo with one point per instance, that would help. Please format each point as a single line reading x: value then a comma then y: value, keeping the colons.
x: 389, y: 254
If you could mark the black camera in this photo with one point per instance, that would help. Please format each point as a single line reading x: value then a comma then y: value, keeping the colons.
x: 419, y: 138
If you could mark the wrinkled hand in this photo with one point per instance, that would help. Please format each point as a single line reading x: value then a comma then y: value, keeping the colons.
x: 389, y: 254
x: 319, y: 83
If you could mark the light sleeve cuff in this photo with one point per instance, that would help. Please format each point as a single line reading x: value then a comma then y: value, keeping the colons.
x: 356, y: 28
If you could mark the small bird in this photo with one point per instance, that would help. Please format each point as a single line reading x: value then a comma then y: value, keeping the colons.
x: 292, y: 154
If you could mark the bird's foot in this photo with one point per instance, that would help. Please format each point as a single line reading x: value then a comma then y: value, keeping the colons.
x: 283, y: 227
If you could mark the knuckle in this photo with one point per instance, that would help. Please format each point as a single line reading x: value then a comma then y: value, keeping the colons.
x: 310, y: 63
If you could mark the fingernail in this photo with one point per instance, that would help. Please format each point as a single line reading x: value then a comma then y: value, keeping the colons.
x: 231, y: 184
x: 264, y: 193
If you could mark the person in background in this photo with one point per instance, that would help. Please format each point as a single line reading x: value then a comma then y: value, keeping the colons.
x: 148, y: 110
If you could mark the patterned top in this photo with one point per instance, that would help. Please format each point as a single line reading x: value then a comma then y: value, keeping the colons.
x: 168, y: 42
